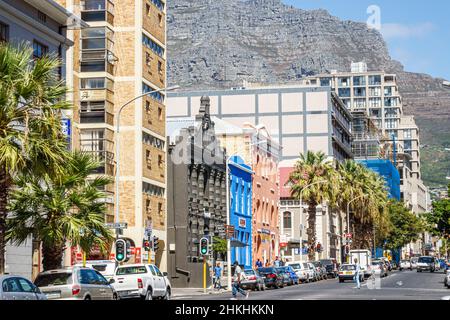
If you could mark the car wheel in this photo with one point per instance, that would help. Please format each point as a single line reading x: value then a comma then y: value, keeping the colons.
x: 168, y: 294
x: 115, y: 296
x: 341, y: 280
x: 87, y: 298
x: 263, y: 287
x: 148, y: 295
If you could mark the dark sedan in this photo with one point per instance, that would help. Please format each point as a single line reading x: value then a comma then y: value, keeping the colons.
x: 272, y: 278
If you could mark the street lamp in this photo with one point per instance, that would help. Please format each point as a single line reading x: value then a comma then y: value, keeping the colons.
x: 227, y: 173
x: 118, y: 146
x: 301, y: 214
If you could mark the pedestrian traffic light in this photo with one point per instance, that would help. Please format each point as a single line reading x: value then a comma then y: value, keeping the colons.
x: 204, y: 246
x: 155, y: 243
x: 121, y: 250
x: 146, y: 245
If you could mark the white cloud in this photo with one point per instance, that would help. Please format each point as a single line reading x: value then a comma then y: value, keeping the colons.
x: 396, y: 30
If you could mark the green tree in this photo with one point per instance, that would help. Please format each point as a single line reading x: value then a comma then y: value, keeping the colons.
x: 31, y: 100
x: 405, y: 226
x: 58, y: 209
x: 313, y: 168
x: 439, y: 218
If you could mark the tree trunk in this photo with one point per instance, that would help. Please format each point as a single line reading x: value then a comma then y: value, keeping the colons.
x: 311, y: 231
x: 4, y: 188
x: 52, y: 255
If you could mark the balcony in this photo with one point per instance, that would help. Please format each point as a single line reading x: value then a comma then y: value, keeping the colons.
x: 97, y: 10
x: 98, y: 60
x: 96, y: 112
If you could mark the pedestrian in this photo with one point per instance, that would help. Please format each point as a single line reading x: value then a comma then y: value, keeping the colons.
x: 237, y: 282
x: 357, y: 274
x: 276, y: 262
x: 267, y: 263
x: 258, y: 264
x: 217, y: 276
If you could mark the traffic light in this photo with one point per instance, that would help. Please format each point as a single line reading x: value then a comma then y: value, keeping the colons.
x: 146, y: 244
x: 155, y: 243
x: 121, y: 250
x: 204, y: 246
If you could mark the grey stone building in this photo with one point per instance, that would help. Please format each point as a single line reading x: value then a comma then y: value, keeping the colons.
x: 196, y: 203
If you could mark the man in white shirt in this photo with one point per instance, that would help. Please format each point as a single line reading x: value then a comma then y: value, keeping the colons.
x: 357, y: 274
x: 237, y: 282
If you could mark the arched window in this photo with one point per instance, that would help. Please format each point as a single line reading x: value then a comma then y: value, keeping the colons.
x: 287, y: 220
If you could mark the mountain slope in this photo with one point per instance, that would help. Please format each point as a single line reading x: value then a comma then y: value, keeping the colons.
x: 218, y: 44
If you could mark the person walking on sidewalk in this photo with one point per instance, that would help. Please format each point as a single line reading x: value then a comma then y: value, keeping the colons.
x: 357, y: 274
x: 236, y: 287
x: 217, y: 276
x: 277, y: 262
x: 258, y: 264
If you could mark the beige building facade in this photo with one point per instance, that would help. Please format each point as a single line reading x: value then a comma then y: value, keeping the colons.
x: 120, y: 56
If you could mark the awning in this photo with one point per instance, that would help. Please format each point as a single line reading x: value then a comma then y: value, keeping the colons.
x: 237, y: 244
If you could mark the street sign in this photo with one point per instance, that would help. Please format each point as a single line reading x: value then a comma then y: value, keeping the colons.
x: 119, y: 225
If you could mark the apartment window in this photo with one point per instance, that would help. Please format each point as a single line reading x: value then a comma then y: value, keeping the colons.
x: 153, y: 141
x: 156, y: 48
x: 4, y: 32
x: 325, y: 82
x: 95, y: 38
x: 359, y: 92
x: 344, y: 92
x: 160, y: 114
x: 390, y: 102
x: 343, y: 82
x: 160, y: 18
x: 359, y: 81
x: 96, y: 10
x: 147, y: 106
x: 160, y: 208
x: 391, y: 124
x: 287, y: 220
x: 155, y: 95
x: 347, y: 103
x: 39, y: 49
x: 160, y: 161
x: 93, y: 66
x: 388, y: 91
x: 148, y: 206
x: 375, y: 80
x: 375, y: 92
x: 360, y: 103
x: 375, y: 102
x: 148, y: 159
x: 42, y: 17
x: 152, y: 190
x: 92, y: 112
x: 93, y: 83
x: 160, y: 67
x: 147, y: 9
x: 407, y: 133
x: 159, y: 4
x: 407, y: 144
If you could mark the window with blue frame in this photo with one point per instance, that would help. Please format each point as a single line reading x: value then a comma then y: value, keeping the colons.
x: 159, y: 4
x: 154, y: 95
x: 152, y: 45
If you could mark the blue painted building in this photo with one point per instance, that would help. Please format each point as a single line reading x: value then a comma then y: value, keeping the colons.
x: 387, y: 170
x: 240, y: 176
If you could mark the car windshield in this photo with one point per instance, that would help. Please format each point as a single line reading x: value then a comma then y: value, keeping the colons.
x: 131, y: 270
x: 53, y: 279
x: 296, y: 266
x: 316, y: 264
x: 426, y: 260
x: 326, y: 262
x: 305, y: 265
x: 249, y: 272
x: 348, y: 267
x: 404, y: 261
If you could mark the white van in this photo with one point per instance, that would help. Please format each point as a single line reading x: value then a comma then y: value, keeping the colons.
x: 364, y: 260
x: 105, y: 267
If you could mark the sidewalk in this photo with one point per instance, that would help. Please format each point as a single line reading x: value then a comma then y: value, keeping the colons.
x: 187, y: 292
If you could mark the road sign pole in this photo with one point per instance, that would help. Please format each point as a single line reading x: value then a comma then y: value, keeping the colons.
x: 204, y: 274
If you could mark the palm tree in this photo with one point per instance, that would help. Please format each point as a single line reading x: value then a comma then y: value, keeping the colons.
x: 311, y: 169
x: 60, y: 209
x: 31, y: 140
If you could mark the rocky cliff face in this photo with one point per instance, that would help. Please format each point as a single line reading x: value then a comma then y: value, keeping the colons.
x: 218, y: 44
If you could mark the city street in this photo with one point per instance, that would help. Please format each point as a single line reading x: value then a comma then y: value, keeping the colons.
x: 404, y: 285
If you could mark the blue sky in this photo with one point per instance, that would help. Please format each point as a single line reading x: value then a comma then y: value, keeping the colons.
x: 417, y: 32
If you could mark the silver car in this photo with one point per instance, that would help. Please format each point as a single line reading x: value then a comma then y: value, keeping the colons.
x: 75, y: 283
x: 19, y: 288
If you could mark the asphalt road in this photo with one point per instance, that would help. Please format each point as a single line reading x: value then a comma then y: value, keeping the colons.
x: 399, y: 285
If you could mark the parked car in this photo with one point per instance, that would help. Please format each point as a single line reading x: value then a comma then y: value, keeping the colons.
x: 331, y: 266
x: 320, y: 269
x: 414, y: 261
x: 75, y: 283
x: 286, y: 277
x: 405, y: 264
x: 347, y: 272
x: 316, y: 273
x: 252, y: 280
x: 378, y: 267
x: 447, y: 279
x: 105, y: 267
x: 294, y: 279
x: 19, y: 288
x: 300, y: 270
x: 272, y: 278
x: 311, y: 271
x: 143, y: 281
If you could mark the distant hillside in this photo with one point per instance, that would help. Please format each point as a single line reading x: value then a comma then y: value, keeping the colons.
x: 217, y: 44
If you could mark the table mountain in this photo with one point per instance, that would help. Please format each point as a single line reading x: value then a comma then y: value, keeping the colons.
x: 218, y: 44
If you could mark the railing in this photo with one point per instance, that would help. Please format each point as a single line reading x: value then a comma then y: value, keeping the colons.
x: 98, y: 55
x: 97, y: 10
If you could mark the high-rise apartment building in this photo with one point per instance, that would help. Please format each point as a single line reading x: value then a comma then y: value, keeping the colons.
x: 120, y: 56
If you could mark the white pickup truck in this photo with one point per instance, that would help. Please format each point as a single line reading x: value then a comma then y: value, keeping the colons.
x: 143, y: 281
